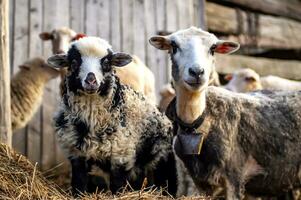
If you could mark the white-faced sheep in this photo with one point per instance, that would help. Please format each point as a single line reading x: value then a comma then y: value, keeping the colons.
x: 27, y: 88
x: 241, y: 142
x: 136, y: 74
x: 104, y: 124
x: 247, y: 80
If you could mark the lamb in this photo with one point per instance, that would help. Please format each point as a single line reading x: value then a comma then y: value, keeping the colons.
x: 136, y: 74
x: 104, y: 124
x: 241, y: 142
x: 247, y: 80
x: 27, y: 87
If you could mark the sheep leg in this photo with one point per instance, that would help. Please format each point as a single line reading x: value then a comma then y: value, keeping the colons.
x: 118, y: 179
x: 234, y: 188
x: 79, y: 180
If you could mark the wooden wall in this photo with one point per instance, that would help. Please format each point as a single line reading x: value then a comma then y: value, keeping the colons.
x: 126, y: 24
x: 269, y: 32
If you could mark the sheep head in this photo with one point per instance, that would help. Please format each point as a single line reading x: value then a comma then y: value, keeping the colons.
x: 192, y: 55
x: 90, y: 62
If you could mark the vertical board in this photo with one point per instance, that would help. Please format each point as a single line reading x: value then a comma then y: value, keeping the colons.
x: 127, y: 26
x: 91, y: 17
x: 20, y: 53
x: 199, y: 16
x: 139, y: 29
x: 161, y: 58
x: 11, y: 33
x: 35, y: 49
x: 115, y: 26
x: 103, y: 26
x: 77, y: 13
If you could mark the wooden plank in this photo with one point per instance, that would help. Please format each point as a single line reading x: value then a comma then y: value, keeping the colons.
x: 199, y: 14
x: 91, y: 19
x: 262, y: 31
x: 5, y: 109
x: 11, y: 32
x: 150, y: 30
x: 48, y: 143
x: 183, y: 14
x: 139, y: 29
x: 263, y: 66
x: 288, y: 8
x: 77, y: 15
x: 127, y: 26
x: 104, y: 20
x: 161, y: 74
x: 35, y: 49
x: 19, y: 56
x: 115, y: 35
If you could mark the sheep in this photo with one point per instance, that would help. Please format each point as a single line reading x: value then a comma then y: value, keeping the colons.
x: 247, y: 80
x: 241, y: 142
x: 136, y: 74
x: 104, y: 124
x: 243, y: 80
x: 27, y: 87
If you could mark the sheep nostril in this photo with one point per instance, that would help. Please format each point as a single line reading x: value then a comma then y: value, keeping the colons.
x: 196, y: 72
x: 91, y: 80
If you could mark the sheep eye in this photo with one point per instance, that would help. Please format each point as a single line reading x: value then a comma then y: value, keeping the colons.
x: 106, y: 67
x: 175, y: 47
x: 212, y: 48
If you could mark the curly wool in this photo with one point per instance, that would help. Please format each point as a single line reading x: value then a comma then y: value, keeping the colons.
x: 114, y: 133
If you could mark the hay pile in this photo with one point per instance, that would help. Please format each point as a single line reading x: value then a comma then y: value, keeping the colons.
x: 19, y: 179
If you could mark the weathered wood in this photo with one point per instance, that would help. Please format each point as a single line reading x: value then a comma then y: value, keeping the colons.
x: 21, y: 25
x: 35, y: 49
x: 5, y: 109
x: 115, y: 35
x: 252, y: 29
x: 263, y: 66
x: 127, y: 26
x: 77, y: 15
x: 161, y: 74
x: 103, y: 26
x: 91, y: 18
x: 139, y: 29
x: 199, y: 10
x: 287, y: 8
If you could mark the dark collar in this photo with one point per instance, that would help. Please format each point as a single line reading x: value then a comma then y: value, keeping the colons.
x: 171, y: 113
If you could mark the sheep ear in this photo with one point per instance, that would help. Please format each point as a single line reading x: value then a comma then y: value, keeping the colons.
x: 228, y: 77
x: 58, y: 61
x: 225, y: 47
x: 46, y: 36
x: 160, y: 42
x: 120, y: 59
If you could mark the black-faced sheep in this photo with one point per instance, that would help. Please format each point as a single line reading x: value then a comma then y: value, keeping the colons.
x: 104, y: 124
x: 27, y: 87
x: 241, y: 142
x: 136, y: 74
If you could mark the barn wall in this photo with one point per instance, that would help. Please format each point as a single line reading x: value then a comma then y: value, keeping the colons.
x: 126, y: 24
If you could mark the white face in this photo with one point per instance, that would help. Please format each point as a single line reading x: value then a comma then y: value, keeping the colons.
x: 61, y: 41
x: 90, y: 73
x: 191, y: 51
x: 192, y: 61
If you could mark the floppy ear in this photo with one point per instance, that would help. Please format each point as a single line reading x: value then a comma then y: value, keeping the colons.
x: 58, y: 61
x: 46, y: 36
x: 160, y: 42
x: 25, y: 66
x: 120, y: 59
x: 225, y: 47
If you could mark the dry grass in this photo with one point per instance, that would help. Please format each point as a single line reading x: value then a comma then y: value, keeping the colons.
x: 19, y: 179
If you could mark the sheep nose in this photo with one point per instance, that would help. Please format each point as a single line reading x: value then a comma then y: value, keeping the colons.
x: 90, y: 79
x: 196, y: 72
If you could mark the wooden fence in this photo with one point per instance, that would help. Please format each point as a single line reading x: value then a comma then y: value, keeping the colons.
x: 126, y: 24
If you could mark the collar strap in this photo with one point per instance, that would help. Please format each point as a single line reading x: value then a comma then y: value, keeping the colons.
x: 172, y: 115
